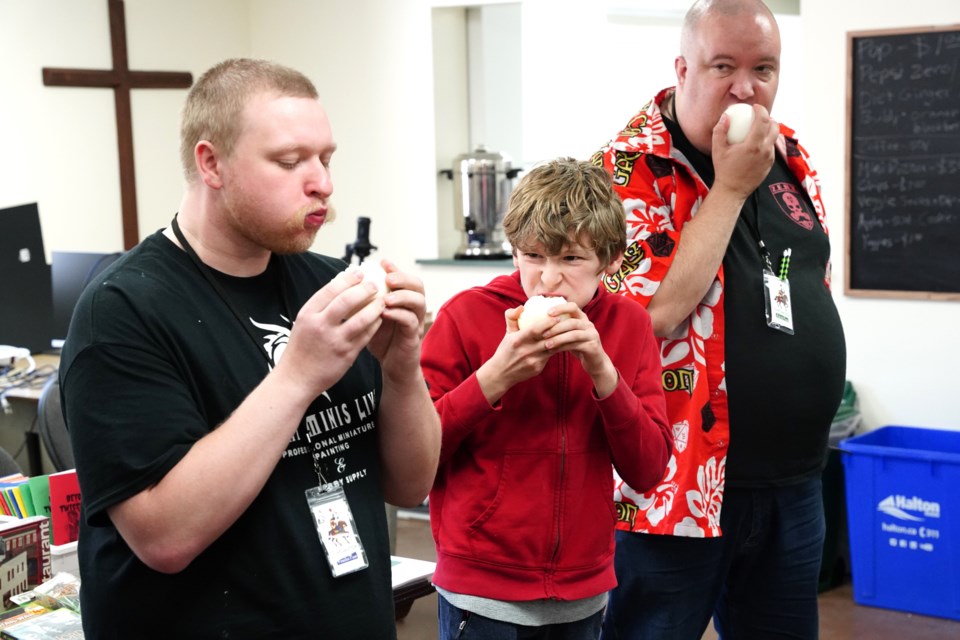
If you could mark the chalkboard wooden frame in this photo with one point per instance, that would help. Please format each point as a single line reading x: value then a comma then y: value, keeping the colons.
x: 868, y: 275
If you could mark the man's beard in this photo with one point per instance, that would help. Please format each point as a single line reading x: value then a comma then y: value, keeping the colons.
x: 292, y: 237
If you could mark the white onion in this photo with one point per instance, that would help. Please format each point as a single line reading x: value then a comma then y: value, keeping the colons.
x: 536, y: 309
x: 373, y: 272
x: 741, y: 117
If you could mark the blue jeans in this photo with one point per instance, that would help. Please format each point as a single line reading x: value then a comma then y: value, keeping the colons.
x: 758, y: 581
x: 457, y: 624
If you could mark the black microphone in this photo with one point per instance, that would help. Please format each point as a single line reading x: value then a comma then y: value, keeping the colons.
x: 361, y: 247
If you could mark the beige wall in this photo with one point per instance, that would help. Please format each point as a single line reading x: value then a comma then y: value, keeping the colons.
x: 58, y: 145
x: 372, y: 61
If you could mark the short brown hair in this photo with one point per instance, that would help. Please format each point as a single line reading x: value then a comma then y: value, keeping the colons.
x: 215, y: 103
x: 566, y: 199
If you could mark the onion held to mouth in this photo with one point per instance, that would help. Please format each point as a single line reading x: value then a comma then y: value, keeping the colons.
x: 741, y: 117
x: 536, y: 309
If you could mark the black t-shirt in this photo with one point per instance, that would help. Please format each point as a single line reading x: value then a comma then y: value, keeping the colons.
x: 782, y: 390
x: 154, y: 361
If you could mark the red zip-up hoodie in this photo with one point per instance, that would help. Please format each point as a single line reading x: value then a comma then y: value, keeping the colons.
x: 522, y: 507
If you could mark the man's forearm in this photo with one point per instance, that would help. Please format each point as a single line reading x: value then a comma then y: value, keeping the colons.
x: 703, y: 243
x: 409, y: 429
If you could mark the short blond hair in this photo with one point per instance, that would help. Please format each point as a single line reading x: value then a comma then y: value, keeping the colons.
x: 214, y: 107
x: 563, y: 200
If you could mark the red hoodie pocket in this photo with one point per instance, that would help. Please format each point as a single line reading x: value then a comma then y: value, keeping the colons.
x: 589, y: 515
x: 519, y: 528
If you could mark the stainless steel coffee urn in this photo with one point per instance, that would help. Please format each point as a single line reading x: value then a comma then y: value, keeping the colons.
x: 482, y: 182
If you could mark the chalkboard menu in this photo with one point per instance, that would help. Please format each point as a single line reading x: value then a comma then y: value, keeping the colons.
x: 903, y: 207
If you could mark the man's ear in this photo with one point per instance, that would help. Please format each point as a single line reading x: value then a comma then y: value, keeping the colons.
x: 208, y: 164
x: 680, y: 66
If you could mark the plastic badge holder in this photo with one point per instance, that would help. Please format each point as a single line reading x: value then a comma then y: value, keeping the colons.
x: 337, y: 530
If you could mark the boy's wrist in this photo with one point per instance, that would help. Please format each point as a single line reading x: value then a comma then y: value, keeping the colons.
x: 491, y: 385
x: 605, y: 380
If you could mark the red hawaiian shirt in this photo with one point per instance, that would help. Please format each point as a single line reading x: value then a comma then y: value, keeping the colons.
x: 661, y: 192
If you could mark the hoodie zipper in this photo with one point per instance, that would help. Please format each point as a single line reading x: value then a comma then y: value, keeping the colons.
x: 563, y: 450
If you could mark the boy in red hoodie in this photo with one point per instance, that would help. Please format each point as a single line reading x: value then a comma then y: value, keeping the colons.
x: 522, y: 509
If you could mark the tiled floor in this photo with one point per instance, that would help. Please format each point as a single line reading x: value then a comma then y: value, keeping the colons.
x: 840, y: 617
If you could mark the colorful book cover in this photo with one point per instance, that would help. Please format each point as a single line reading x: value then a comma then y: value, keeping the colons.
x: 25, y: 562
x: 17, y: 492
x: 59, y: 624
x: 64, y: 506
x: 10, y: 501
x: 5, y: 499
x: 27, y: 495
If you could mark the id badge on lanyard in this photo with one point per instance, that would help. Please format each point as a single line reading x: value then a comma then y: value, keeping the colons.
x: 337, y: 530
x: 777, y: 303
x: 776, y: 298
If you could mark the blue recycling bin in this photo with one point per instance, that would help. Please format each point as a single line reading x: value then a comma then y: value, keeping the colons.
x: 903, y: 508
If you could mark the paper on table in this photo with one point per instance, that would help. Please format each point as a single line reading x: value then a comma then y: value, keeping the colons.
x: 407, y: 570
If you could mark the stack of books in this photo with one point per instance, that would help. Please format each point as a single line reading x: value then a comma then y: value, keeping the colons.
x: 55, y: 496
x: 38, y: 515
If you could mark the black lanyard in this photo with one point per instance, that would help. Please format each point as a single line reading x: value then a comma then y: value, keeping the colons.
x: 208, y: 275
x: 754, y: 227
x: 281, y: 282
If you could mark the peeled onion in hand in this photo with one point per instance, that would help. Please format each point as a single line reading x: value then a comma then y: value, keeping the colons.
x: 372, y: 272
x: 536, y: 309
x: 741, y: 117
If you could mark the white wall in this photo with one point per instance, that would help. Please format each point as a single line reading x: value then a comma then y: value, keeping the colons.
x: 579, y: 92
x: 372, y: 62
x: 451, y: 108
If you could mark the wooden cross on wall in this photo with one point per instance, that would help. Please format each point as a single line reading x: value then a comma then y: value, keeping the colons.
x: 121, y: 79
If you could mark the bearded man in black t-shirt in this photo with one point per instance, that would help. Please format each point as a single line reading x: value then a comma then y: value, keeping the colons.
x: 228, y: 393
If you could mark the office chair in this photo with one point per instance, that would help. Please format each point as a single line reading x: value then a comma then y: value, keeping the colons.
x: 8, y: 466
x: 53, y: 428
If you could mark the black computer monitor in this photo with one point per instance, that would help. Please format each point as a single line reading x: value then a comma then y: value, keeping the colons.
x: 25, y: 301
x: 71, y: 272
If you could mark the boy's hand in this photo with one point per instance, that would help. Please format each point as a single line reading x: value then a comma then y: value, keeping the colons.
x: 521, y: 355
x: 577, y: 335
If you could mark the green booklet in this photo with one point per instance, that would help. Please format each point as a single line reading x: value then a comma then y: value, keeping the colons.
x: 40, y: 494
